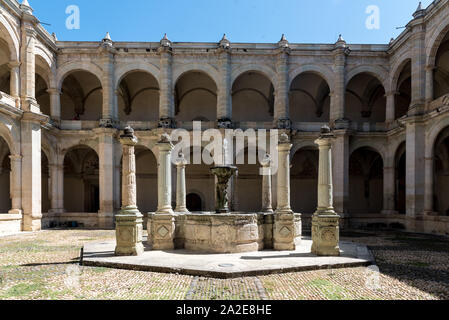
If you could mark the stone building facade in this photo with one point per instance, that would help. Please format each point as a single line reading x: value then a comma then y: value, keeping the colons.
x: 63, y: 106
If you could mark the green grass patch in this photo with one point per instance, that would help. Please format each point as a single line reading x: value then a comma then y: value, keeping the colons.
x: 328, y: 289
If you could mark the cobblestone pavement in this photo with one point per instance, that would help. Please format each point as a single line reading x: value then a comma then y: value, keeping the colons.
x: 45, y: 266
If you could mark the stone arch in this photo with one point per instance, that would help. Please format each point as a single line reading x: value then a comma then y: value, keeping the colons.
x: 302, y: 145
x: 397, y: 69
x: 263, y: 69
x: 138, y: 96
x: 435, y: 41
x: 253, y: 97
x: 310, y: 96
x: 127, y: 68
x: 208, y: 69
x: 323, y: 71
x: 377, y: 72
x: 432, y: 135
x: 195, y: 94
x: 10, y: 36
x: 71, y: 67
x: 374, y: 146
x: 10, y: 133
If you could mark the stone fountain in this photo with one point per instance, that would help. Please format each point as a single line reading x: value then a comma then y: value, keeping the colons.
x: 222, y: 231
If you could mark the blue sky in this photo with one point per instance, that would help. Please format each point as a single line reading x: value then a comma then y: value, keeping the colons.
x: 303, y: 21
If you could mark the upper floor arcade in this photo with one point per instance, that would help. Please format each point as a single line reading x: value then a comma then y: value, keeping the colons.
x: 84, y: 85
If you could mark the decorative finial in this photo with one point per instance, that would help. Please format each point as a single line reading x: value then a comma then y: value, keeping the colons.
x: 325, y: 129
x: 25, y: 6
x: 283, y: 43
x: 266, y: 161
x: 165, y: 42
x: 224, y: 43
x: 107, y: 41
x: 54, y: 36
x: 341, y: 43
x: 420, y: 12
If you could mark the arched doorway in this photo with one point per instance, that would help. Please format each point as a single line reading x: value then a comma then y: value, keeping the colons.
x: 365, y: 99
x: 81, y: 97
x: 309, y: 98
x: 252, y: 98
x: 146, y: 179
x: 195, y: 95
x: 194, y: 202
x: 441, y: 173
x: 400, y: 181
x: 304, y: 180
x: 5, y: 170
x: 81, y: 180
x: 365, y: 181
x: 138, y: 97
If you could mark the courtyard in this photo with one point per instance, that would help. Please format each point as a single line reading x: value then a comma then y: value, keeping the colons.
x: 45, y: 266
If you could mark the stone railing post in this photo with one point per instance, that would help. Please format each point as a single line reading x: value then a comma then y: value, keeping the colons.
x: 129, y: 222
x: 286, y: 224
x: 325, y: 222
x: 267, y: 203
x: 181, y: 163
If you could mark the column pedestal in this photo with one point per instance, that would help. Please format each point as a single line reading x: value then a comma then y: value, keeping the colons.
x: 129, y: 222
x: 325, y: 222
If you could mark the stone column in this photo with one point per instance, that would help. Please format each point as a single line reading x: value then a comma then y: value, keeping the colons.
x: 389, y: 189
x: 281, y: 102
x: 16, y: 184
x: 31, y: 170
x: 15, y: 78
x: 181, y: 163
x: 55, y: 104
x: 28, y: 65
x: 287, y: 225
x: 167, y: 104
x: 325, y: 222
x: 161, y: 225
x: 390, y: 114
x: 267, y: 205
x: 429, y: 84
x: 415, y: 167
x: 110, y: 112
x: 224, y: 98
x: 337, y: 109
x: 129, y: 222
x: 418, y: 61
x: 106, y: 165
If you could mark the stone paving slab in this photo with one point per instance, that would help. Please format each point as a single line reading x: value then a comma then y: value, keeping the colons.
x: 225, y: 266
